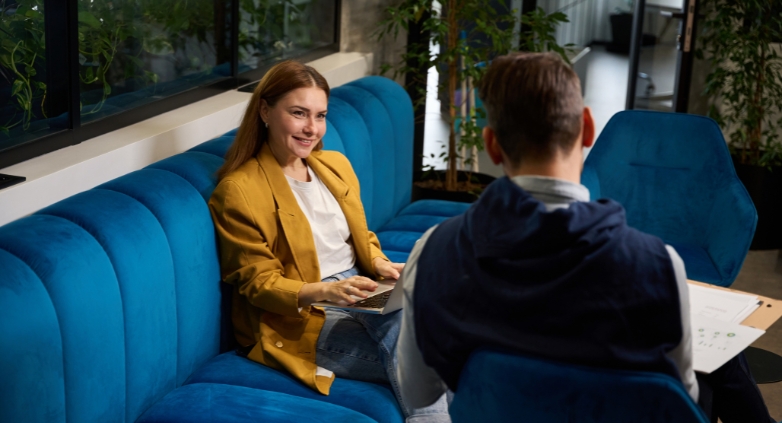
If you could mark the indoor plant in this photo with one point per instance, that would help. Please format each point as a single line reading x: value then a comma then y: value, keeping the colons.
x: 745, y: 93
x: 22, y: 57
x: 114, y: 38
x: 470, y: 33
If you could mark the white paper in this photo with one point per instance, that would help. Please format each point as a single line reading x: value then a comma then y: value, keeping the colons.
x: 740, y: 318
x: 714, y: 342
x: 725, y: 306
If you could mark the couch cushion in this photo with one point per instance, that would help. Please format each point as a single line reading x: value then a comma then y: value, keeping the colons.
x: 82, y: 289
x: 216, y: 146
x: 398, y: 240
x: 396, y: 256
x: 381, y: 143
x: 31, y: 386
x: 398, y: 236
x: 188, y: 228
x: 435, y: 208
x: 412, y: 223
x: 347, y: 125
x: 140, y: 255
x: 218, y: 403
x: 197, y: 167
x: 399, y: 107
x: 376, y: 401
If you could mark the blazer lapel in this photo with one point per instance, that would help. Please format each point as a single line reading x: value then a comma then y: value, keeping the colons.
x: 295, y: 226
x: 350, y: 203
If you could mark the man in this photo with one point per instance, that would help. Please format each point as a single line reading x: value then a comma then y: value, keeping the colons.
x: 495, y: 277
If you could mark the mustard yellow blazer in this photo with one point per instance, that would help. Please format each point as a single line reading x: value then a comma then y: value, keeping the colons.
x: 267, y: 253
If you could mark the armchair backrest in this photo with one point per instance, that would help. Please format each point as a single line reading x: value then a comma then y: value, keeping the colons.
x: 498, y: 387
x: 673, y: 174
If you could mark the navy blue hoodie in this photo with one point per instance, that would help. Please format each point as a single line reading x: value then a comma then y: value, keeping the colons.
x: 575, y: 284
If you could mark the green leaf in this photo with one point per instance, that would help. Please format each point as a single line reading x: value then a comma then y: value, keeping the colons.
x: 89, y: 19
x: 16, y: 88
x: 106, y: 89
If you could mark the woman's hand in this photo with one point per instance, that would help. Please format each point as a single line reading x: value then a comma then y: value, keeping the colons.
x: 387, y: 269
x: 340, y: 292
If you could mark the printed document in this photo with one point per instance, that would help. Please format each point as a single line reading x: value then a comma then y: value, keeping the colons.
x: 714, y: 342
x: 721, y: 305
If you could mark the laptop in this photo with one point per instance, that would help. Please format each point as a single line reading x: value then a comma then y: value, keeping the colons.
x: 387, y: 298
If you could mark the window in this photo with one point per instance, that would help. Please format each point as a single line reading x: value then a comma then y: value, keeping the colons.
x: 278, y: 30
x: 25, y: 113
x: 134, y: 52
x: 74, y: 69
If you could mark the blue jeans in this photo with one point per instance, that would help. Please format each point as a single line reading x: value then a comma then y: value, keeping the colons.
x: 362, y: 346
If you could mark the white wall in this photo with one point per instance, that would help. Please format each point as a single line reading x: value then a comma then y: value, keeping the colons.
x: 63, y: 173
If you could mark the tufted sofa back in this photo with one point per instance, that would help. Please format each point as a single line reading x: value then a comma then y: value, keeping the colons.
x: 111, y: 298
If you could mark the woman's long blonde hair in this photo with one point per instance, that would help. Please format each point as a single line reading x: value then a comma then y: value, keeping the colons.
x: 281, y: 79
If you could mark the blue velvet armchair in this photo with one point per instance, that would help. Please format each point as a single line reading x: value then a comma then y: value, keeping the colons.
x: 497, y: 387
x: 673, y: 174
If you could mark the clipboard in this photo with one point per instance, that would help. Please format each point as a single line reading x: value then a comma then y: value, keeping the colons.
x: 769, y: 311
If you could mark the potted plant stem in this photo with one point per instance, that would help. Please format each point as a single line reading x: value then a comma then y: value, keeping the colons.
x: 745, y: 94
x: 470, y: 33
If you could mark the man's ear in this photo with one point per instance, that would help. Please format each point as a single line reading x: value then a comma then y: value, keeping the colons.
x: 493, y: 148
x: 588, y: 129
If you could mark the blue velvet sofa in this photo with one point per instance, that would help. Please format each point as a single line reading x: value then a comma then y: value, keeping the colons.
x: 111, y: 308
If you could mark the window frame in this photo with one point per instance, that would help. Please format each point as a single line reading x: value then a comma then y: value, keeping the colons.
x: 61, y: 27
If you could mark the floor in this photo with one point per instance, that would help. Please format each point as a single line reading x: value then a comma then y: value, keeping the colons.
x: 605, y: 92
x: 762, y: 274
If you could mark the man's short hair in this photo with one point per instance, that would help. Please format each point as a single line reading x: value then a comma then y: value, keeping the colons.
x: 534, y: 105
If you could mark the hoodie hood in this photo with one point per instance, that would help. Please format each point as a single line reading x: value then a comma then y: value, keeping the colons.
x: 509, y: 226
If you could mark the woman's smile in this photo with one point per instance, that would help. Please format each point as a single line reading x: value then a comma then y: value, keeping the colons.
x: 296, y: 124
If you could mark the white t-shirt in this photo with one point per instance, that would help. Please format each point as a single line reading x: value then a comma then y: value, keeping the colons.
x: 327, y: 221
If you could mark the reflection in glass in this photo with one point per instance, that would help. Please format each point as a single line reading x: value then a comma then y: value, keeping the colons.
x: 657, y: 59
x: 272, y: 30
x: 133, y: 52
x: 23, y: 87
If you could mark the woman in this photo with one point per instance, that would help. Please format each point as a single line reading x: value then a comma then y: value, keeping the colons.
x: 292, y: 232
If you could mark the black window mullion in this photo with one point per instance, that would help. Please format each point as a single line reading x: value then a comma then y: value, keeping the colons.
x: 73, y: 62
x: 235, y: 21
x: 57, y: 75
x: 62, y: 59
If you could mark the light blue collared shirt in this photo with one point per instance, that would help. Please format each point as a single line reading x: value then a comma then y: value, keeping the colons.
x: 552, y: 192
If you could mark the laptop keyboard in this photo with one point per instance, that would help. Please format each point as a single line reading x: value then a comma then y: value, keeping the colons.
x: 377, y: 301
